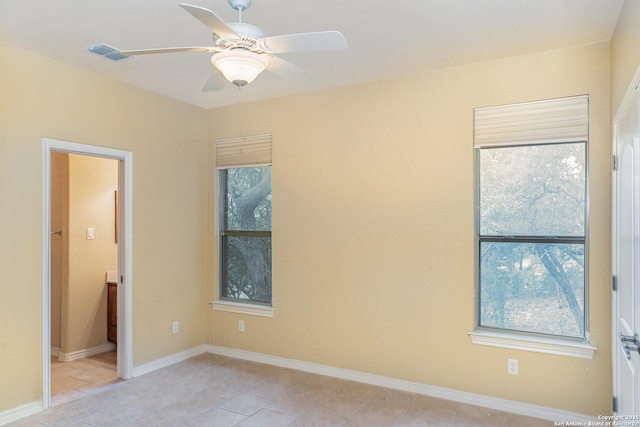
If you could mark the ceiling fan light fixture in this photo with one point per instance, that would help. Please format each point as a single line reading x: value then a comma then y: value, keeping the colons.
x: 240, y: 66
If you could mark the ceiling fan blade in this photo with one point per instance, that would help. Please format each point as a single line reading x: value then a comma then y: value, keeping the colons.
x: 212, y: 21
x: 292, y: 72
x: 214, y: 83
x: 169, y: 50
x: 304, y: 42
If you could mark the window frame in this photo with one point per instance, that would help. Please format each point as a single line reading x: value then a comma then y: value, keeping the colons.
x: 502, y: 333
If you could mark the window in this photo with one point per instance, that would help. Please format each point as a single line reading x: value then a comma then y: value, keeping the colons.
x: 245, y: 234
x: 244, y: 222
x: 531, y: 186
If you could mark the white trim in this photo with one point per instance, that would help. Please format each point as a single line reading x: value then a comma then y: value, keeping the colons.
x: 125, y: 251
x: 125, y: 266
x: 519, y: 408
x: 169, y: 360
x: 241, y: 308
x: 55, y: 352
x: 628, y: 97
x: 23, y: 411
x: 46, y: 275
x: 87, y: 352
x: 534, y: 344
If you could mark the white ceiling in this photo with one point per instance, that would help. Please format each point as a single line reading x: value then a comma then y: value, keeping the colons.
x: 386, y: 38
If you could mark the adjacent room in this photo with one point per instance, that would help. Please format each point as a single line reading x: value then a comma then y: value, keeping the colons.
x: 408, y: 207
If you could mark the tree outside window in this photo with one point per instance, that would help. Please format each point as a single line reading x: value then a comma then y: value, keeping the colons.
x: 531, y: 237
x: 245, y: 234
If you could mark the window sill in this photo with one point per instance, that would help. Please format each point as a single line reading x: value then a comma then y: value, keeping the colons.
x: 238, y: 307
x: 535, y: 344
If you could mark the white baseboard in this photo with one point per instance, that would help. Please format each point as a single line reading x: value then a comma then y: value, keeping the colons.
x: 55, y: 352
x: 20, y: 412
x: 505, y: 405
x: 87, y: 352
x: 169, y: 360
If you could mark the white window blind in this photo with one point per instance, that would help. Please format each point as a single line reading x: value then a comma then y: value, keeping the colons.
x: 252, y: 150
x: 540, y: 122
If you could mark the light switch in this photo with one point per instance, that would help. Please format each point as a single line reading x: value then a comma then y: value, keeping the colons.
x: 90, y: 234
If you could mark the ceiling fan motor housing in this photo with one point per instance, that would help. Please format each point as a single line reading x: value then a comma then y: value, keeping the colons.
x: 246, y: 31
x: 240, y: 4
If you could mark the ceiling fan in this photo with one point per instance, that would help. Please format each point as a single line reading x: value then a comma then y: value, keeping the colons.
x: 241, y: 51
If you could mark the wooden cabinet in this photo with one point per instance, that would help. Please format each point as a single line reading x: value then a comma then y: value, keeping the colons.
x: 112, y: 312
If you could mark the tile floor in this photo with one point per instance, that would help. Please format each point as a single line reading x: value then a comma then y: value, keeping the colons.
x: 83, y: 377
x: 217, y: 391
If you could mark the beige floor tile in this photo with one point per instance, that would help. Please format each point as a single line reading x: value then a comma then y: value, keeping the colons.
x: 67, y: 397
x: 153, y: 401
x: 24, y: 423
x: 98, y: 375
x: 339, y: 405
x: 198, y: 402
x: 476, y: 416
x: 210, y: 390
x: 217, y: 417
x: 249, y: 378
x: 267, y: 418
x: 357, y: 390
x: 101, y: 386
x: 181, y: 388
x: 227, y: 389
x: 435, y: 407
x: 513, y: 420
x: 166, y: 417
x: 394, y: 399
x: 107, y: 400
x: 293, y: 404
x: 245, y: 403
x: 375, y: 417
x: 314, y: 418
x: 424, y: 418
x: 315, y: 390
x: 63, y: 385
x: 268, y: 390
x: 139, y: 387
x: 65, y: 416
x: 115, y: 417
x: 210, y: 376
x: 75, y: 379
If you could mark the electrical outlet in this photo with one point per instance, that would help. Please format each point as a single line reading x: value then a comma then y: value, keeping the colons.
x: 241, y: 325
x: 512, y: 366
x: 176, y: 327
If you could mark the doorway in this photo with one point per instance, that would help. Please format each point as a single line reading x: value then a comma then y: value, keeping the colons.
x: 625, y: 255
x: 121, y: 228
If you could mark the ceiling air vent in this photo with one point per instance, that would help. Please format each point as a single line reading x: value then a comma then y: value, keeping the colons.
x: 106, y: 51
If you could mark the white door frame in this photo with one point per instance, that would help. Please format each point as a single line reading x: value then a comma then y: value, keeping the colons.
x: 125, y: 246
x: 615, y: 342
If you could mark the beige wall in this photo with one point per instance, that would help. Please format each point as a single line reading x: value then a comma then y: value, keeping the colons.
x: 46, y: 98
x: 625, y: 52
x: 373, y: 233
